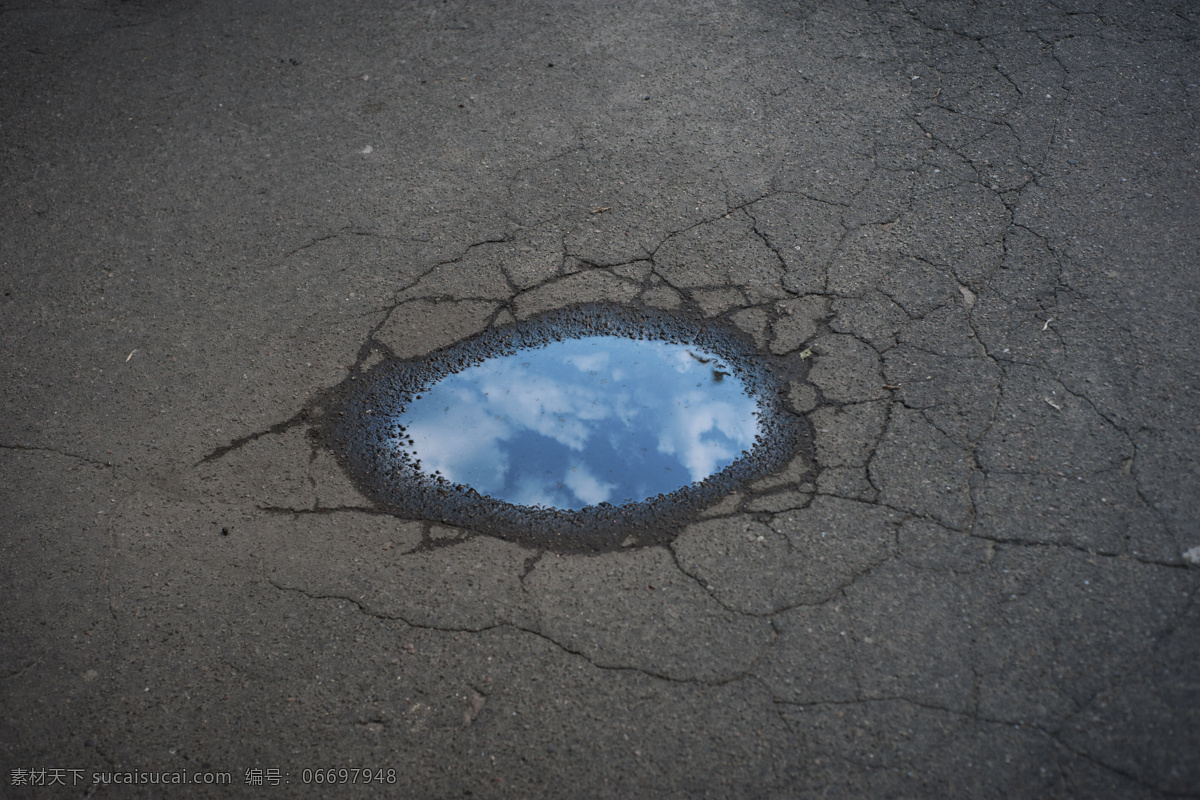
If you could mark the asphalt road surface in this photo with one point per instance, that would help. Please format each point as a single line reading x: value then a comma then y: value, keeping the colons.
x: 979, y: 219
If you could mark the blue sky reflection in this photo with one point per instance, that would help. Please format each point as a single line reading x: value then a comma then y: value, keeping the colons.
x: 583, y: 421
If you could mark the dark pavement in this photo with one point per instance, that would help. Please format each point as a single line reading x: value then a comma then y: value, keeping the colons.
x: 980, y: 218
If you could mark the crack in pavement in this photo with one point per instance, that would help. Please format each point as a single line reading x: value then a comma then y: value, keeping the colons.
x: 948, y: 149
x: 19, y: 671
x: 972, y: 716
x: 299, y: 418
x: 22, y: 448
x: 368, y: 611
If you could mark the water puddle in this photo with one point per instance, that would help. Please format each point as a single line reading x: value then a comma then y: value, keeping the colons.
x: 571, y: 424
x: 586, y: 428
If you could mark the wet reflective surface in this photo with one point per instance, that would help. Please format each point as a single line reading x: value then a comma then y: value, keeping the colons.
x: 590, y: 428
x: 575, y: 423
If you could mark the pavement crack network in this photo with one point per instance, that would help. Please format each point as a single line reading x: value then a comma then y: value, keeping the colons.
x: 396, y: 295
x: 729, y: 210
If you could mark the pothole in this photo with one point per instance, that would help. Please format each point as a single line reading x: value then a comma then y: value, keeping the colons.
x: 583, y: 429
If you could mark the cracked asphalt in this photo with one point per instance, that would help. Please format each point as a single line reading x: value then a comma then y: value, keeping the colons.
x: 980, y: 219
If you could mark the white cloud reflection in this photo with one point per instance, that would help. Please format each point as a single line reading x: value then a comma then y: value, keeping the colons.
x: 583, y: 421
x: 685, y: 436
x: 465, y: 450
x: 585, y: 485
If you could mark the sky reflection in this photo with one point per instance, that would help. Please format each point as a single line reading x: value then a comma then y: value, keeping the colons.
x: 582, y: 421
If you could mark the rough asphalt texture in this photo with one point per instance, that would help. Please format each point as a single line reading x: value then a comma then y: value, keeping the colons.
x: 981, y: 220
